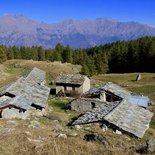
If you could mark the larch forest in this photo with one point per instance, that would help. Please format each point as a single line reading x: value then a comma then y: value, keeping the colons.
x: 119, y: 57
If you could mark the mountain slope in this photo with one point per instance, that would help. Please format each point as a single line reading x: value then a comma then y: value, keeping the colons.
x: 22, y: 31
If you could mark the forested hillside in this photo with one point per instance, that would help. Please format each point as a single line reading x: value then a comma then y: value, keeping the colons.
x: 130, y: 56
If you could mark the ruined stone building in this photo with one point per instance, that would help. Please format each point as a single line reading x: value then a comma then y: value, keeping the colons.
x: 122, y: 116
x: 114, y: 106
x: 27, y: 96
x: 107, y: 93
x: 72, y: 85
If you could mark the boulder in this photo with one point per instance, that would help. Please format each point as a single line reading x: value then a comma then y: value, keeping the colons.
x: 96, y: 137
x: 17, y: 66
x: 77, y: 127
x: 73, y: 134
x: 118, y: 132
x: 104, y: 127
x: 34, y: 124
x: 150, y: 145
x: 138, y: 77
x: 62, y: 135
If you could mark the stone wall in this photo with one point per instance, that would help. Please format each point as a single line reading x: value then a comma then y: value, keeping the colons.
x: 13, y: 113
x: 86, y: 85
x: 83, y: 105
x: 82, y: 89
x: 9, y: 113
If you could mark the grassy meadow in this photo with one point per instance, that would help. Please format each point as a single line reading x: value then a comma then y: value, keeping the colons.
x: 24, y: 137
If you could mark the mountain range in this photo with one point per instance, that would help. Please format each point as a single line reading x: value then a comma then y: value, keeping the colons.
x: 21, y: 31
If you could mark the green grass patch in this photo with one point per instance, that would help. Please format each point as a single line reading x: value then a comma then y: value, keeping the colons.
x: 152, y: 124
x: 145, y: 89
x: 59, y: 108
x: 58, y: 104
x: 15, y: 71
x: 49, y: 80
x: 12, y: 74
x: 146, y: 86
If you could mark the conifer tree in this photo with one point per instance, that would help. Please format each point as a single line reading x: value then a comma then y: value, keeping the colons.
x: 2, y: 55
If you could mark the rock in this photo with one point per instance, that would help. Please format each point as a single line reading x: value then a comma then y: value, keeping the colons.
x: 34, y: 140
x: 56, y: 121
x: 74, y: 134
x: 150, y: 145
x: 34, y: 124
x: 148, y: 148
x: 17, y: 66
x: 138, y: 77
x: 77, y: 127
x: 87, y: 128
x: 104, y: 127
x: 127, y: 138
x: 118, y: 132
x: 62, y: 135
x: 7, y: 130
x: 28, y: 133
x: 142, y: 149
x: 96, y: 137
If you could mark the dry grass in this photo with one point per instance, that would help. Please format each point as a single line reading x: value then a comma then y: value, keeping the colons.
x: 52, y: 68
x: 9, y: 74
x: 146, y: 86
x: 43, y: 140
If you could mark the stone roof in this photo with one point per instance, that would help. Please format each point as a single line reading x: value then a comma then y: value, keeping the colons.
x: 139, y: 100
x: 21, y: 102
x: 130, y: 118
x: 109, y: 87
x: 37, y: 94
x: 126, y: 116
x: 120, y: 92
x: 76, y: 79
x: 36, y: 75
x: 5, y: 101
x: 96, y: 114
x: 18, y: 101
x: 4, y: 88
x: 28, y: 90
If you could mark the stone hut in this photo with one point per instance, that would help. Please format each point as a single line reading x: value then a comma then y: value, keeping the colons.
x: 105, y: 94
x: 27, y: 96
x: 115, y: 107
x: 111, y: 92
x: 72, y: 85
x: 122, y: 116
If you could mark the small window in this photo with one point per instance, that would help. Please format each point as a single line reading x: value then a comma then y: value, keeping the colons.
x: 93, y: 105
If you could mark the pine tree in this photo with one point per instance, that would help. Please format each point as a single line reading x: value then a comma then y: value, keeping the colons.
x: 34, y: 51
x: 67, y: 55
x: 41, y: 54
x: 2, y: 55
x: 10, y: 53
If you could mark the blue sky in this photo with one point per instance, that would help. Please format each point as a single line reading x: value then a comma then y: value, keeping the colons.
x: 57, y: 10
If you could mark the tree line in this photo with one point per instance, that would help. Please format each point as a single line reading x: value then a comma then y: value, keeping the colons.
x: 119, y: 57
